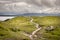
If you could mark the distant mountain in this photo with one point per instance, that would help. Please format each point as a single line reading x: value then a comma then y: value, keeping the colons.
x: 28, y: 14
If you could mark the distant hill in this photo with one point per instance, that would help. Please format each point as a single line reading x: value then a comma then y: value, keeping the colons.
x: 28, y: 14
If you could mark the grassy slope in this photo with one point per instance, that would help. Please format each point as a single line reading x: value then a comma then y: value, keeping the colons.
x: 12, y: 29
x: 49, y: 21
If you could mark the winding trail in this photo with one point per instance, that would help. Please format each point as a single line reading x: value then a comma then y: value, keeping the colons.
x: 34, y: 32
x: 37, y: 25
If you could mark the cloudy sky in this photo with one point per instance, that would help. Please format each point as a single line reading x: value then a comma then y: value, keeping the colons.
x: 30, y: 6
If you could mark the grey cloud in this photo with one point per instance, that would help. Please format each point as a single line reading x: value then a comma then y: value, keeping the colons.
x: 37, y: 6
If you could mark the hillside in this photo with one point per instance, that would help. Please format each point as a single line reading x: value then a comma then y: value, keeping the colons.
x: 30, y: 28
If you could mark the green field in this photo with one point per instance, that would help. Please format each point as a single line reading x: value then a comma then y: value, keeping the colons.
x: 14, y: 29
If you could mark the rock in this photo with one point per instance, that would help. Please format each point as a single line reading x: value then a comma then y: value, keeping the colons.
x: 50, y: 28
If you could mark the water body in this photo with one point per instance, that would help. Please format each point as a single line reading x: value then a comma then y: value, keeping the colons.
x: 2, y: 18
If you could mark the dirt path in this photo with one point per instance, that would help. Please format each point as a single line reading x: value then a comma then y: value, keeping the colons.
x: 37, y: 25
x: 34, y: 32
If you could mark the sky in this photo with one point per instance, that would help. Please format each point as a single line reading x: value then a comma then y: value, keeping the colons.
x: 30, y: 6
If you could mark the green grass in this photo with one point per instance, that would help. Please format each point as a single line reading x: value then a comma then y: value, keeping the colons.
x: 13, y: 28
x: 48, y: 20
